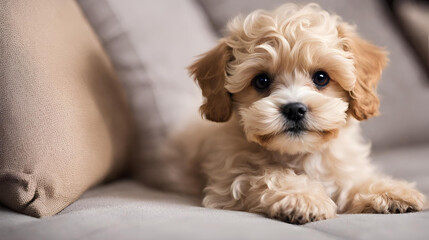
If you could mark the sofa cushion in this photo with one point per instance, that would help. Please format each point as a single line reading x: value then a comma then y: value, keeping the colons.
x: 404, y: 90
x: 126, y: 210
x: 64, y: 123
x: 151, y: 43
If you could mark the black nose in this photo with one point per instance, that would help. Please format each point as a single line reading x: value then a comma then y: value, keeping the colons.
x: 294, y: 111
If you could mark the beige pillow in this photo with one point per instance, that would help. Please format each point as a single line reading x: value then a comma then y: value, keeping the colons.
x: 64, y: 122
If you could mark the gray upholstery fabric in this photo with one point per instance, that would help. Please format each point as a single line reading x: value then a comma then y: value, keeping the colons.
x: 150, y: 44
x: 126, y: 210
x: 404, y: 88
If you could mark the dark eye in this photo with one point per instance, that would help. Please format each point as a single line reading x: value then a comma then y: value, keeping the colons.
x: 261, y: 82
x: 321, y: 79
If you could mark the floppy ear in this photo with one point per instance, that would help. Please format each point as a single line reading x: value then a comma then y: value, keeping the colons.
x: 210, y: 72
x: 369, y: 61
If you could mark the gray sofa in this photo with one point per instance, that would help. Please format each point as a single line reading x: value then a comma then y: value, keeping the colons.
x: 150, y: 43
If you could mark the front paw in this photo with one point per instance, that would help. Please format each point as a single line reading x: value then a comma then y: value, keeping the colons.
x: 388, y: 197
x: 302, y: 208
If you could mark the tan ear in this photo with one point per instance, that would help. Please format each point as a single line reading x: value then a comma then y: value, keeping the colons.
x: 369, y: 61
x: 210, y: 72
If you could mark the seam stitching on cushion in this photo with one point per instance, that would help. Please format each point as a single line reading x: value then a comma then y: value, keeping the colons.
x: 35, y: 196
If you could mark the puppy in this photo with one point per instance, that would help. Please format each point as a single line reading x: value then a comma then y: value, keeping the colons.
x: 288, y: 89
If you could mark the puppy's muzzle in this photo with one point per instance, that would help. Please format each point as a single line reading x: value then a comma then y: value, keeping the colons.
x: 294, y: 112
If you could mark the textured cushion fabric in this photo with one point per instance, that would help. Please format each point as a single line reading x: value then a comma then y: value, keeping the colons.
x: 151, y: 43
x: 404, y: 90
x: 64, y: 123
x: 126, y: 210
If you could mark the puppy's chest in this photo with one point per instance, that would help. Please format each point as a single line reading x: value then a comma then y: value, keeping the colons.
x: 315, y: 167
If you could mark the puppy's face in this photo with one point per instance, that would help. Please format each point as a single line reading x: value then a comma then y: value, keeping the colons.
x: 294, y: 77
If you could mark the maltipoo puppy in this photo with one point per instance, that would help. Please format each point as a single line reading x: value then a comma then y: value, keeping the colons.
x: 288, y: 89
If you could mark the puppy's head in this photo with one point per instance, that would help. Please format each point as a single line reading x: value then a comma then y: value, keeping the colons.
x: 294, y: 76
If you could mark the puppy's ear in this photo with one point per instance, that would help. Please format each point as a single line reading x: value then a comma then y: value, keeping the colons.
x: 210, y: 72
x: 369, y: 61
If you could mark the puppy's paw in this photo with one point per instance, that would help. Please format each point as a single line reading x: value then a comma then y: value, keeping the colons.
x: 388, y: 197
x: 303, y: 208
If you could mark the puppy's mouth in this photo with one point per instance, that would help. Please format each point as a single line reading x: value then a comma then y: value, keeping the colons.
x: 296, y: 128
x: 290, y: 129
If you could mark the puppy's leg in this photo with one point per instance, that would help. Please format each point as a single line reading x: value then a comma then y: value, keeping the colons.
x: 279, y: 194
x: 384, y: 195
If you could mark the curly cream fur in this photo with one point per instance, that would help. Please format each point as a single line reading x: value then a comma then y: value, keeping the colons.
x: 251, y: 162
